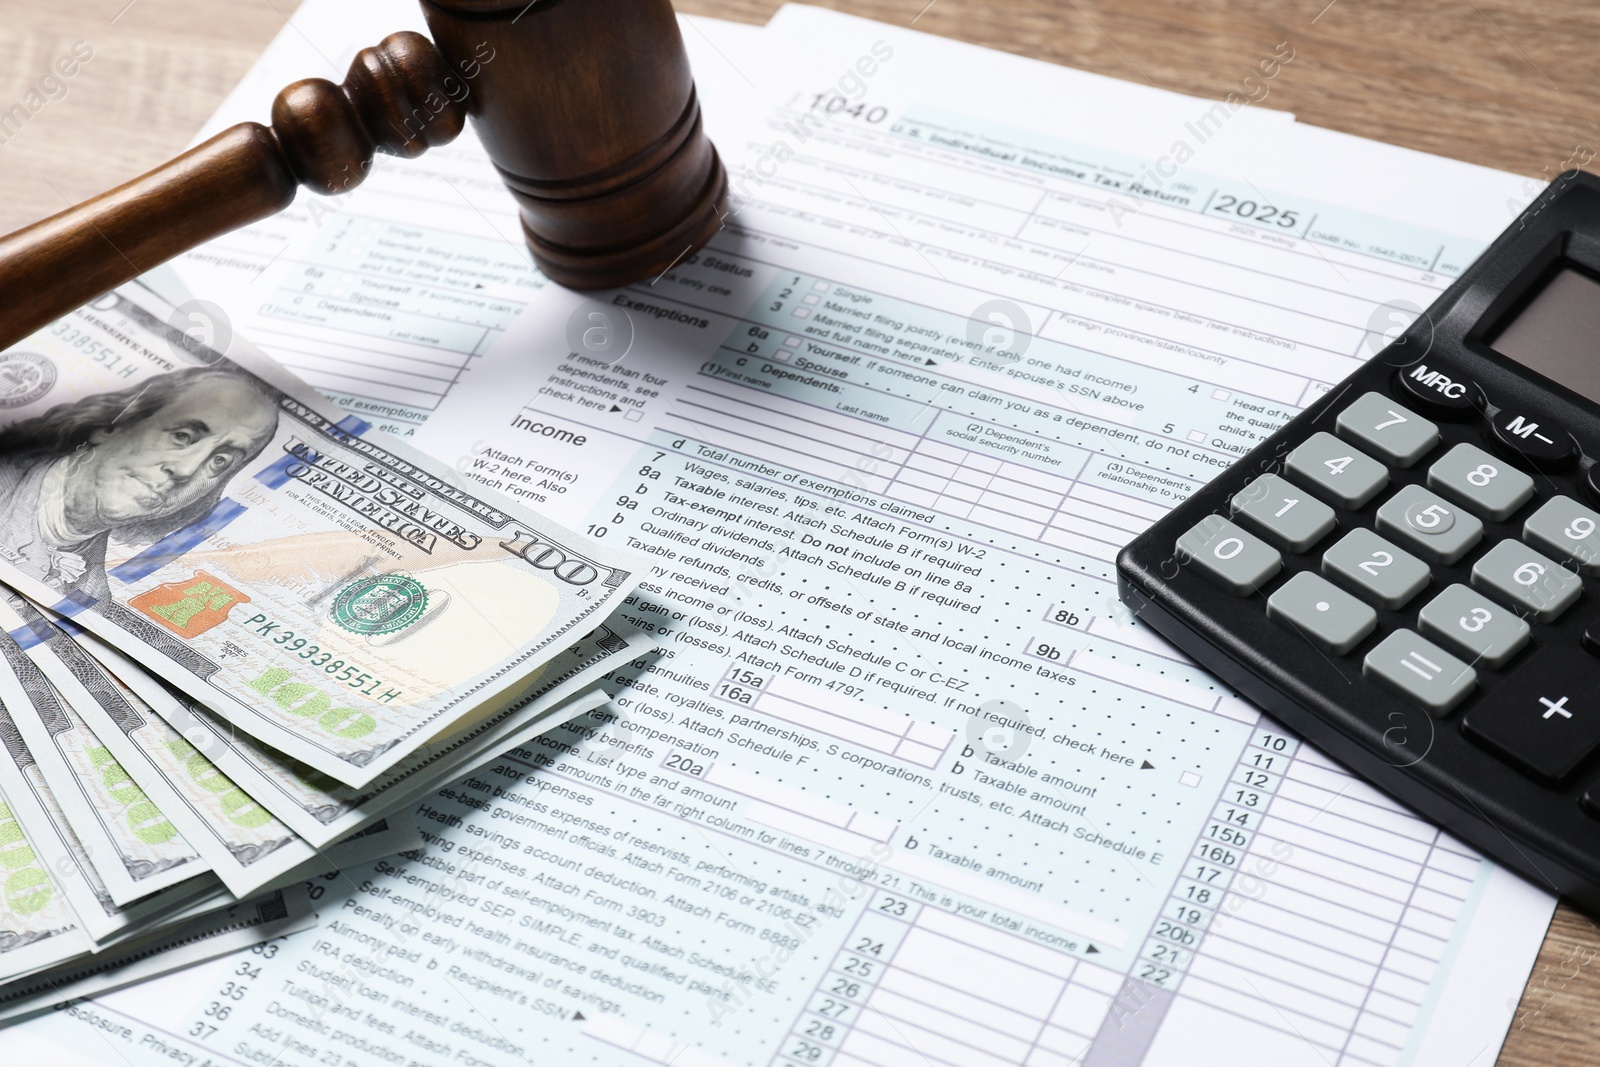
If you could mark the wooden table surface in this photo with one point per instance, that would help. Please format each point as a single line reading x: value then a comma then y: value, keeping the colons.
x: 1501, y: 84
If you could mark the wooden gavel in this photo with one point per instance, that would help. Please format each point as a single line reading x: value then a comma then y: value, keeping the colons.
x: 586, y: 107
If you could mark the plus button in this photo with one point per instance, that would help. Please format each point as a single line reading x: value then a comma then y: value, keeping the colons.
x: 1547, y: 736
x: 1555, y: 707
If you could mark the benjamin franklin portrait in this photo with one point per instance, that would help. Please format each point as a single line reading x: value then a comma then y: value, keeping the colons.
x: 136, y: 464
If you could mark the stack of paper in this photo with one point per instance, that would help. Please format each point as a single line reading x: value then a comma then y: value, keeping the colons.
x: 903, y: 784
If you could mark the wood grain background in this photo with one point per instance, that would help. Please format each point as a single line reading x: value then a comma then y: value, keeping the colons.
x: 1503, y: 85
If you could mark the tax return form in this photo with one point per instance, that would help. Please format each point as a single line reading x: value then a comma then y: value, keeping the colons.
x: 904, y: 785
x: 380, y: 296
x: 884, y: 438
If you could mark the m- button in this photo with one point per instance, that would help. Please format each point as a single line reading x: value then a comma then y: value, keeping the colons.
x: 1545, y: 717
x: 1536, y: 438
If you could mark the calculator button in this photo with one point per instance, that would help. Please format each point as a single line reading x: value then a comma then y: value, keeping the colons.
x: 1476, y: 627
x: 1322, y: 613
x: 1545, y: 718
x: 1436, y: 388
x: 1340, y: 473
x: 1526, y: 581
x: 1539, y: 440
x: 1420, y: 670
x: 1486, y: 484
x: 1283, y: 511
x: 1235, y: 559
x: 1568, y: 531
x: 1395, y: 434
x: 1377, y: 569
x: 1422, y: 521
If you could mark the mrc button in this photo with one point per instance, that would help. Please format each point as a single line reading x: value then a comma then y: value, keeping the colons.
x: 1438, y: 388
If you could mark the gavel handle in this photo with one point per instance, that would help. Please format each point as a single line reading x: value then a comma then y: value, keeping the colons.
x: 396, y: 98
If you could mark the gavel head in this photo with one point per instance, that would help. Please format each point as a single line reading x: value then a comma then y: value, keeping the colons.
x: 588, y: 110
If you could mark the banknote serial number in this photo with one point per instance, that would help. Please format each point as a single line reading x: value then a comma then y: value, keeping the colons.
x: 98, y: 350
x: 316, y: 656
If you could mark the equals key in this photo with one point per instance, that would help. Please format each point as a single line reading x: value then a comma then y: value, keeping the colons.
x: 1419, y: 670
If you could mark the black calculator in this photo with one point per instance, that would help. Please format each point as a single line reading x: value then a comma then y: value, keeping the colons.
x: 1408, y: 572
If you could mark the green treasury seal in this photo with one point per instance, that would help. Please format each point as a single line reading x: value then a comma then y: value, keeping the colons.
x: 381, y: 604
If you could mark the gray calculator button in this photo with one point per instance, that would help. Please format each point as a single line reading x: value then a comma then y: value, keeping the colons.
x: 1568, y: 531
x: 1377, y: 569
x: 1415, y: 667
x: 1284, y: 511
x: 1322, y: 612
x: 1526, y: 581
x: 1340, y: 472
x: 1424, y: 522
x: 1474, y: 626
x: 1490, y: 486
x: 1233, y: 558
x: 1383, y: 427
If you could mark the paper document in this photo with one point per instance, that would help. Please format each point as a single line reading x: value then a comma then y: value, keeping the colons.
x: 381, y: 296
x: 884, y: 438
x: 905, y: 786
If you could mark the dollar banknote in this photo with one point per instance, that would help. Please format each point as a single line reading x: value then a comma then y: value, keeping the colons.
x: 241, y: 841
x: 72, y: 867
x: 510, y: 739
x: 237, y: 838
x: 37, y: 926
x: 329, y: 591
x: 137, y: 850
x: 394, y: 833
x: 319, y: 809
x: 176, y: 944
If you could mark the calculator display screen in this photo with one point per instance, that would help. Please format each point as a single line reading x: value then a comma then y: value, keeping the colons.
x: 1558, y: 333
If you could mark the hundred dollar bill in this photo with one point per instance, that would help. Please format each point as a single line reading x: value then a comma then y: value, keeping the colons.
x: 324, y: 588
x: 137, y: 850
x: 241, y: 841
x: 236, y: 837
x: 58, y: 845
x: 174, y: 946
x: 508, y: 736
x: 390, y: 835
x: 37, y: 926
x: 319, y: 809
